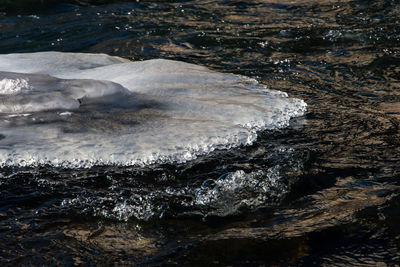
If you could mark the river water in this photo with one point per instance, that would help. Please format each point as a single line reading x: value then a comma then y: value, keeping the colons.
x: 322, y: 191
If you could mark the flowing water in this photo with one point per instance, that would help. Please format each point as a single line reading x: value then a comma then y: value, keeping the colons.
x: 322, y: 189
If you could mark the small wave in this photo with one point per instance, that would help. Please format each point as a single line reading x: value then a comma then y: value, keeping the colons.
x: 130, y: 197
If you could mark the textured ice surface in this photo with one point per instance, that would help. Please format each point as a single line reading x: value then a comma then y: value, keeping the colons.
x: 85, y: 109
x: 13, y: 86
x: 55, y: 62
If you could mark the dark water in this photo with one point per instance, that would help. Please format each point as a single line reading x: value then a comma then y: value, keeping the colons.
x: 324, y: 191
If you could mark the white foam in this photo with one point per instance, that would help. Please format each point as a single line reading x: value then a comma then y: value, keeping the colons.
x: 129, y: 113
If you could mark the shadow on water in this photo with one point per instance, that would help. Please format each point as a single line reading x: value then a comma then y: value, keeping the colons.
x: 335, y: 195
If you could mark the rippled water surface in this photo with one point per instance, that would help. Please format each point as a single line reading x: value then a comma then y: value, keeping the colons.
x: 323, y: 191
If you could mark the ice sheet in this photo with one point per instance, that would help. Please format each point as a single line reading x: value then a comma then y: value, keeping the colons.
x: 127, y: 113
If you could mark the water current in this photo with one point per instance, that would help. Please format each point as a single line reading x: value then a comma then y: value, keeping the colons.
x: 255, y: 188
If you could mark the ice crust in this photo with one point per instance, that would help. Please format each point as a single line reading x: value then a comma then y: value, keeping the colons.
x: 13, y: 86
x: 127, y: 113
